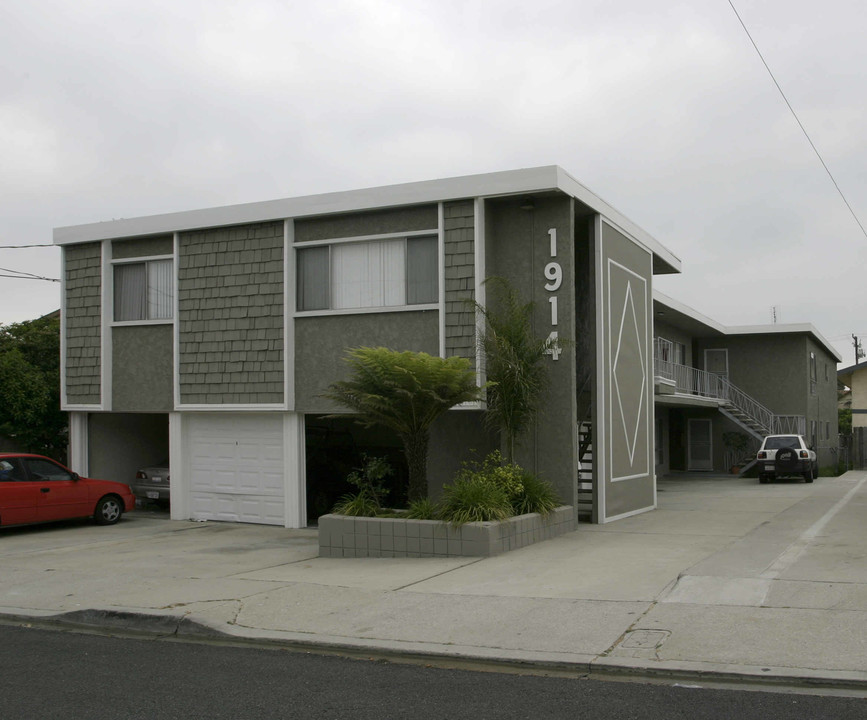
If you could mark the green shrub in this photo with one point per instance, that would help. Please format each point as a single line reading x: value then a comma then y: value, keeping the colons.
x: 422, y: 509
x: 526, y: 493
x: 474, y: 499
x: 537, y: 496
x: 367, y: 502
x: 359, y: 504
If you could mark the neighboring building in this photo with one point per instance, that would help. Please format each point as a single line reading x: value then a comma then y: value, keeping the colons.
x: 208, y: 337
x: 855, y: 378
x: 758, y: 380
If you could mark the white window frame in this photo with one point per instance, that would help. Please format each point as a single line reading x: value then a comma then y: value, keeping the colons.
x: 386, y: 237
x: 144, y: 260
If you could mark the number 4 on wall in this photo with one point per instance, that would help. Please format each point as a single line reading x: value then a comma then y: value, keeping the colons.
x: 552, y: 346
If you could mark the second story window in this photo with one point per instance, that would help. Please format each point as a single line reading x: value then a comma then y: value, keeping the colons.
x: 143, y: 290
x: 814, y: 376
x: 370, y: 274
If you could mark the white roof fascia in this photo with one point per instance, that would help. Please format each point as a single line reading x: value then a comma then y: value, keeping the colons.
x: 509, y: 182
x: 808, y: 328
x: 680, y: 307
x: 427, y: 191
x: 571, y: 186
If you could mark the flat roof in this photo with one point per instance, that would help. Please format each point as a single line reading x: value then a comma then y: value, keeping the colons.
x: 510, y: 182
x: 681, y: 315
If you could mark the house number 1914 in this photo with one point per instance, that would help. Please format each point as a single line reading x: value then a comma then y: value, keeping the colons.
x: 554, y: 279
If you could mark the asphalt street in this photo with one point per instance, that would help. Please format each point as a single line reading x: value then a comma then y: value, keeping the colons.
x: 51, y: 674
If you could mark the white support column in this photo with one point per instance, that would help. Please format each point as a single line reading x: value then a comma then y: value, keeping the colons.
x: 78, y: 454
x: 180, y: 464
x: 294, y: 471
x: 107, y: 315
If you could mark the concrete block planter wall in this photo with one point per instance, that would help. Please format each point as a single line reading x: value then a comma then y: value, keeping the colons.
x: 346, y: 536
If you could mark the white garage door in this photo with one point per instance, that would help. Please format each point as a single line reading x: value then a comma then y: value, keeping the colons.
x: 236, y: 467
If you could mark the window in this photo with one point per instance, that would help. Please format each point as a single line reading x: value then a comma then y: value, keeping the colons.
x: 813, y: 374
x: 143, y: 290
x: 43, y: 470
x: 11, y: 470
x: 382, y: 273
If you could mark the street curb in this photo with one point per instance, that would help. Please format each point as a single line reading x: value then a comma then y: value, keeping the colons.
x: 119, y: 623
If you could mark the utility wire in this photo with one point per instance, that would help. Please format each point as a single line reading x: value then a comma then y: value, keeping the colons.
x: 20, y: 247
x: 797, y: 119
x: 21, y: 275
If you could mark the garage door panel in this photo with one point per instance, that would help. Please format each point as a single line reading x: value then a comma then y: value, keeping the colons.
x: 237, y: 468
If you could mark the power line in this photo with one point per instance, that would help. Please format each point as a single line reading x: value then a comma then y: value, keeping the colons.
x: 21, y: 247
x: 21, y: 275
x: 797, y: 119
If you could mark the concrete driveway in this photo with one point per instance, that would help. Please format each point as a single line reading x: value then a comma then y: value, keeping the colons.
x: 728, y: 578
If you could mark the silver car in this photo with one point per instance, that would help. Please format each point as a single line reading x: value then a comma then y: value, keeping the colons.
x: 152, y: 483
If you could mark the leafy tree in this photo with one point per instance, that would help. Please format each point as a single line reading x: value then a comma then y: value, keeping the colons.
x: 514, y: 362
x: 844, y: 421
x: 30, y: 412
x: 406, y: 392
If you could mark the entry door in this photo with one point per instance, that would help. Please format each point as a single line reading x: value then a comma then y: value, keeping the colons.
x: 700, y: 445
x: 717, y: 362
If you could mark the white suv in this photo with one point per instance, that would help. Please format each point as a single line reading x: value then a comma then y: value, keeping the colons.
x: 782, y: 455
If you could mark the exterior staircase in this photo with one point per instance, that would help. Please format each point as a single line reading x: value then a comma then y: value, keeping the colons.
x: 584, y: 507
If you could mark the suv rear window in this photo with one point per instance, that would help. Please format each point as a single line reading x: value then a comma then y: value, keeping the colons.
x: 777, y: 443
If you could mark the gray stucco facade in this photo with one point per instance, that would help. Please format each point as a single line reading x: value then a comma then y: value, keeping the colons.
x: 778, y: 379
x: 227, y: 374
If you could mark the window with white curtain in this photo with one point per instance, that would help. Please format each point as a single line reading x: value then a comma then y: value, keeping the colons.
x: 370, y: 274
x: 143, y: 290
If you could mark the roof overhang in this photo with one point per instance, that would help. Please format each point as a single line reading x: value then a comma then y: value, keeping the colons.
x: 679, y: 315
x: 676, y: 313
x: 511, y: 182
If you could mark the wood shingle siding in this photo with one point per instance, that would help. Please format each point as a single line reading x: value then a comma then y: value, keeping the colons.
x: 83, y: 320
x: 460, y: 281
x: 230, y: 315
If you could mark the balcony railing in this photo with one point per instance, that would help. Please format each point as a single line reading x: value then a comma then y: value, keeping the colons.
x: 692, y: 381
x: 688, y: 380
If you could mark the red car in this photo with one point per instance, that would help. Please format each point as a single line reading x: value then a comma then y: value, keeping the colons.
x: 36, y: 489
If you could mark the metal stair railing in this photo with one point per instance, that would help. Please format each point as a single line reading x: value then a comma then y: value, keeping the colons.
x: 692, y: 381
x: 749, y: 406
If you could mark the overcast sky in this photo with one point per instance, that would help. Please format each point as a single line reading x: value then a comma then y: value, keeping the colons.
x: 115, y: 109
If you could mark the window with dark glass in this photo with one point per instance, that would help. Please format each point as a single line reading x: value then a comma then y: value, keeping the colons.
x: 143, y: 290
x: 370, y: 274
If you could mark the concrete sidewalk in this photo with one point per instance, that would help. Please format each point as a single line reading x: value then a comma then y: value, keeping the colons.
x: 728, y: 579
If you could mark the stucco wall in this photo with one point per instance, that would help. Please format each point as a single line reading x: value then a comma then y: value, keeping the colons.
x: 458, y: 436
x: 83, y: 277
x: 770, y: 368
x: 142, y: 368
x: 321, y: 344
x: 518, y: 247
x: 859, y: 397
x: 623, y: 427
x: 142, y: 247
x: 230, y: 315
x: 375, y: 222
